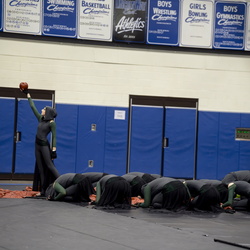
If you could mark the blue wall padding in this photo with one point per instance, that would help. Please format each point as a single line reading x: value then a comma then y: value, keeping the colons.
x: 244, y: 158
x: 180, y: 129
x: 27, y: 125
x: 228, y: 150
x: 116, y: 142
x: 90, y: 144
x: 208, y: 140
x: 6, y: 134
x: 146, y: 140
x: 67, y: 122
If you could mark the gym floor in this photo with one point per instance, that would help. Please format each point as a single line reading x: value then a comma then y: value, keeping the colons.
x: 39, y: 224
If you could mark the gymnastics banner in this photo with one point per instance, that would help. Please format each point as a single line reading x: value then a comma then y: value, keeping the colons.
x: 95, y: 20
x: 130, y: 21
x: 1, y: 15
x: 196, y: 26
x: 23, y: 16
x: 247, y: 33
x: 163, y: 22
x: 229, y: 25
x: 59, y: 18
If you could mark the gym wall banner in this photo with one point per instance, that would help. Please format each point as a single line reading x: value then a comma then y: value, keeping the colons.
x: 1, y: 15
x: 163, y: 22
x: 23, y: 16
x: 130, y: 21
x: 59, y: 18
x: 196, y: 28
x: 247, y: 33
x: 229, y: 25
x: 95, y: 19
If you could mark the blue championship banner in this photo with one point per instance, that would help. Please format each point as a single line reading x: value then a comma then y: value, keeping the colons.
x: 163, y: 22
x: 59, y: 18
x: 95, y: 20
x: 130, y: 21
x: 1, y: 15
x: 247, y: 33
x: 196, y: 29
x: 23, y: 16
x: 229, y: 25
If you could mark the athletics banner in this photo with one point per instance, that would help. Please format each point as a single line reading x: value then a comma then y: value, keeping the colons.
x: 196, y: 28
x: 23, y: 16
x: 130, y: 21
x: 95, y: 20
x: 247, y: 33
x: 59, y: 18
x: 163, y: 22
x: 229, y: 25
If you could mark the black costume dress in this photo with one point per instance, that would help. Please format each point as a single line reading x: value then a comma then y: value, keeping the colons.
x: 165, y: 192
x: 113, y: 190
x: 46, y: 168
x: 205, y: 196
x: 136, y: 184
x: 242, y: 175
x: 70, y: 187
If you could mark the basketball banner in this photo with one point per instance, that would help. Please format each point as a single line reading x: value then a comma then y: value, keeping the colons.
x: 23, y: 16
x: 59, y: 18
x: 95, y: 20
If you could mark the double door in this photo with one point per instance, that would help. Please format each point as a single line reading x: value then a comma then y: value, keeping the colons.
x: 17, y: 132
x: 162, y: 136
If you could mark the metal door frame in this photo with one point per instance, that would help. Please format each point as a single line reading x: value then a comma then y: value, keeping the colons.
x: 36, y: 94
x: 163, y: 102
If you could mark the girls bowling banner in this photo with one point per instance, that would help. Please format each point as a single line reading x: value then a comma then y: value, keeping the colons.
x: 196, y: 23
x: 163, y: 22
x: 95, y: 19
x: 229, y: 25
x: 59, y: 18
x: 247, y: 33
x: 130, y: 21
x: 23, y: 16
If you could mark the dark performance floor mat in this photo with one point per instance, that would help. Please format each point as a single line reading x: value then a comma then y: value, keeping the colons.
x: 40, y: 224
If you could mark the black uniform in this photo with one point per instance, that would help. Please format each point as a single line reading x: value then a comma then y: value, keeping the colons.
x: 113, y: 190
x: 204, y: 196
x: 47, y: 170
x: 71, y: 186
x: 242, y: 175
x: 136, y: 184
x: 165, y: 193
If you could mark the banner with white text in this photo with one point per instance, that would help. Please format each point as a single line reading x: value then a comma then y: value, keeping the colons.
x: 95, y: 20
x: 130, y: 21
x: 247, y: 33
x: 1, y: 15
x: 163, y: 22
x: 59, y: 18
x: 229, y: 25
x: 23, y: 16
x: 196, y: 28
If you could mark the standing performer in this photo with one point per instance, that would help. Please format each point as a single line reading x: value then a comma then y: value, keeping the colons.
x: 43, y: 154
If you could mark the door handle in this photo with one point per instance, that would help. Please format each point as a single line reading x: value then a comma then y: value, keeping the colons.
x: 18, y: 136
x: 165, y: 142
